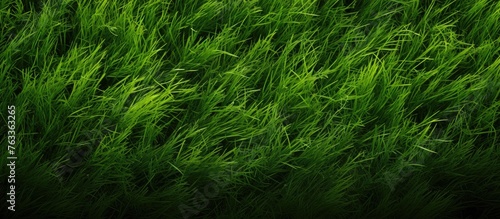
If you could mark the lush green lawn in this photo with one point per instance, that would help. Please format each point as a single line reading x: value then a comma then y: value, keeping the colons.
x: 251, y: 109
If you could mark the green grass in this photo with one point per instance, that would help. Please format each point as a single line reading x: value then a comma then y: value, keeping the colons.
x: 252, y: 108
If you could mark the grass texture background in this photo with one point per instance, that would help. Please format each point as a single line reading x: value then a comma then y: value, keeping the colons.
x: 252, y: 108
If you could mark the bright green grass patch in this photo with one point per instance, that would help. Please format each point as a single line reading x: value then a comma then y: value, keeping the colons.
x: 252, y: 109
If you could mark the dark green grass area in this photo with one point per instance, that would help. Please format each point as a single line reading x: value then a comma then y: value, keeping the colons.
x: 252, y: 108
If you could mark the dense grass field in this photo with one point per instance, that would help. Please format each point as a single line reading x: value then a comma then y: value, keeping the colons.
x: 250, y: 109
